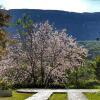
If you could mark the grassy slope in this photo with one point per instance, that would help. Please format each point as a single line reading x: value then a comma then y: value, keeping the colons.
x: 17, y: 96
x: 93, y: 96
x: 92, y: 46
x: 58, y: 96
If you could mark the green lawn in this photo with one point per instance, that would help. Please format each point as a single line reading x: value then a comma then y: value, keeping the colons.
x: 59, y: 96
x: 17, y: 96
x: 97, y: 87
x: 93, y: 96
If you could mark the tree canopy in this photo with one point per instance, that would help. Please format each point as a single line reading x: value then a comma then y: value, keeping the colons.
x: 4, y: 19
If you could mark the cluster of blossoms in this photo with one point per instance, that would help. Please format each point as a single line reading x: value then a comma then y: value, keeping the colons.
x: 43, y: 53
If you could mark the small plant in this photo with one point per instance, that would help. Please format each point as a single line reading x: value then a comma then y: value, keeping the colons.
x: 4, y: 85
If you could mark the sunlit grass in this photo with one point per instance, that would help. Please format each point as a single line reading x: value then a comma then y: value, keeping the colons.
x: 17, y: 96
x: 58, y: 96
x: 93, y: 96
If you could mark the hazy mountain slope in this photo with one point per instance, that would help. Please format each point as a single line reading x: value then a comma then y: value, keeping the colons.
x: 83, y: 26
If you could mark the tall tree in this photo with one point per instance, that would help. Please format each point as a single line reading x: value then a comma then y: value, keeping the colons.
x: 44, y: 53
x: 4, y: 19
x: 97, y: 69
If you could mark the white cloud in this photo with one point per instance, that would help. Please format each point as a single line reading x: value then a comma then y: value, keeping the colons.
x: 67, y: 5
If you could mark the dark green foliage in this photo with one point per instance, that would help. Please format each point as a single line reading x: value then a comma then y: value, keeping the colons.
x: 57, y: 86
x: 98, y: 39
x: 97, y: 69
x: 4, y: 18
x: 78, y: 78
x: 92, y: 84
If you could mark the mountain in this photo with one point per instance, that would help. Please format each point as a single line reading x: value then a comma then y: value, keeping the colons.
x: 82, y: 26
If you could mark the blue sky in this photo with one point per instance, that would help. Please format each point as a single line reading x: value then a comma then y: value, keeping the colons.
x: 93, y: 5
x: 66, y: 5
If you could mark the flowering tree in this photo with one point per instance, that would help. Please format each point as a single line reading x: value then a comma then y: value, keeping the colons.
x: 43, y: 53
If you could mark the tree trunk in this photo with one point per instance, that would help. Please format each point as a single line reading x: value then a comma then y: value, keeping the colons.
x: 42, y: 71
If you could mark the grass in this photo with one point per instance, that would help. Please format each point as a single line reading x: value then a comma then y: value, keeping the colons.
x: 93, y: 96
x: 23, y: 96
x: 97, y: 87
x: 17, y: 96
x: 92, y: 84
x: 58, y: 96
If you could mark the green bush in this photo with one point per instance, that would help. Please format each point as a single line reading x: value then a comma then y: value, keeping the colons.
x: 97, y: 69
x: 4, y: 85
x: 92, y: 84
x: 57, y: 86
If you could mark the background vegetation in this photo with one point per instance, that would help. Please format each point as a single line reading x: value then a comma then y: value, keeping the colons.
x: 44, y: 57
